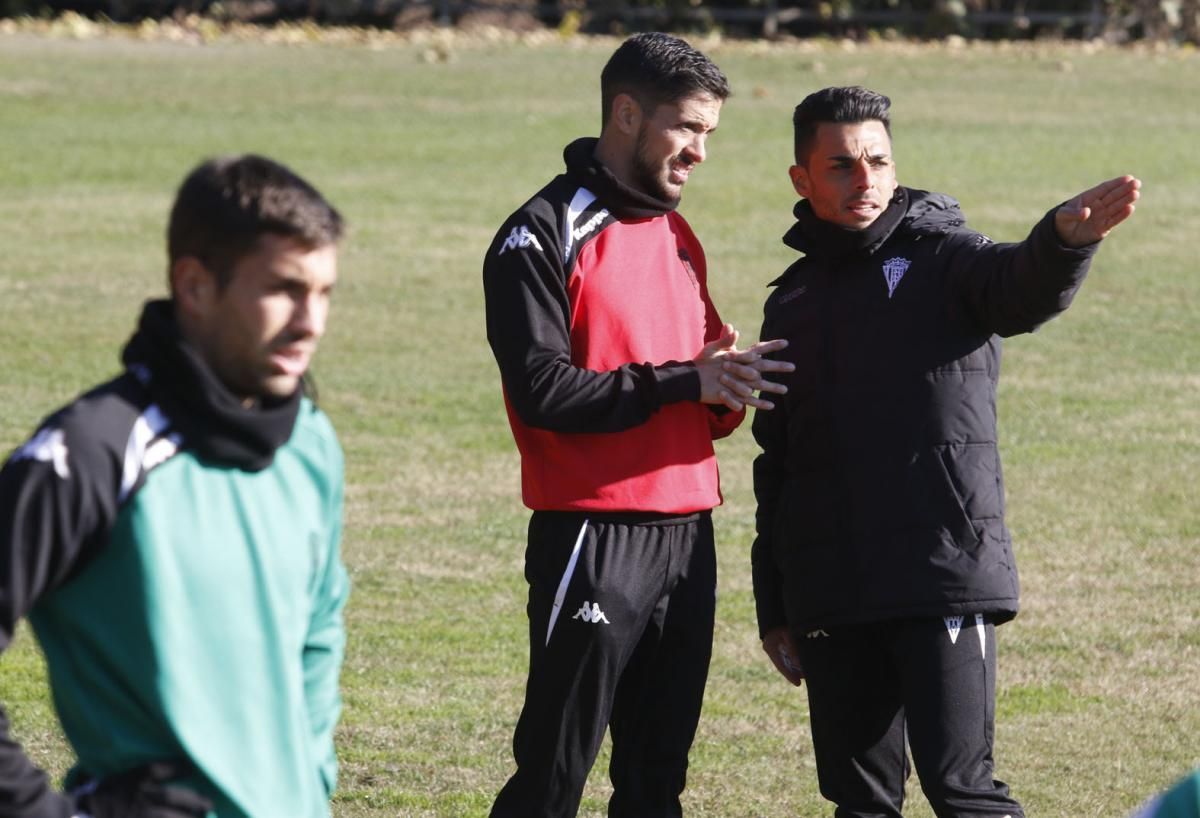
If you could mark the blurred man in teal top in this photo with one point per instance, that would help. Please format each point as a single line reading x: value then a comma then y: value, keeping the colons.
x: 1181, y: 800
x: 173, y: 534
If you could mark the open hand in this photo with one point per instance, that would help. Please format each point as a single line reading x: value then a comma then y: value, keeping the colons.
x: 1091, y: 215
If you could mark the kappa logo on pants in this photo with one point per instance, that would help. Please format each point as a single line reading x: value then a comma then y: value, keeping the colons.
x: 591, y: 613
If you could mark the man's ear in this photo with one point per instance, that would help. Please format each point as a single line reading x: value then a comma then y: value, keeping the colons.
x: 800, y: 181
x: 193, y: 286
x: 626, y: 114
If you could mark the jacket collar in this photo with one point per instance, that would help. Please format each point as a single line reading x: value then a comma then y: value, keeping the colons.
x: 832, y: 242
x: 622, y: 200
x: 209, y: 417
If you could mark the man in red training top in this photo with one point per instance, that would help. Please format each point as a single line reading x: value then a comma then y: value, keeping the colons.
x: 618, y: 374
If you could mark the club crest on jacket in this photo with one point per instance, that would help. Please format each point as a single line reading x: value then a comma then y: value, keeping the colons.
x: 893, y: 271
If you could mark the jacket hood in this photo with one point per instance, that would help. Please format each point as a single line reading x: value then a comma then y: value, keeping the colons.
x: 210, y: 418
x: 932, y: 213
x: 624, y: 201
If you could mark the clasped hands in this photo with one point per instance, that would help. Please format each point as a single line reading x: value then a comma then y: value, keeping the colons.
x: 731, y: 377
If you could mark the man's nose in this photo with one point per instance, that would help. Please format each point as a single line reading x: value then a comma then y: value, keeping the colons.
x: 861, y: 175
x: 311, y: 312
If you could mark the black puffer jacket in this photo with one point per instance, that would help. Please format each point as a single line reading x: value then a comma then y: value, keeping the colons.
x: 879, y: 487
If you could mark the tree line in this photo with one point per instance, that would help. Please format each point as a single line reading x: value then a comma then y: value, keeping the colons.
x: 1112, y: 20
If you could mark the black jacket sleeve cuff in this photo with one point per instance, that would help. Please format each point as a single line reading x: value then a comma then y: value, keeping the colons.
x: 678, y: 382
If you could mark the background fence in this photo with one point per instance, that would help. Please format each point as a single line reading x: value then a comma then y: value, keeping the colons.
x: 1112, y: 20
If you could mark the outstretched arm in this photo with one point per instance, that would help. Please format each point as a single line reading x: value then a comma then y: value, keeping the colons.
x: 1008, y: 289
x: 1093, y: 214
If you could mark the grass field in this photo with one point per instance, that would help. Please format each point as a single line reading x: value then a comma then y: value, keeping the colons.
x: 1099, y: 694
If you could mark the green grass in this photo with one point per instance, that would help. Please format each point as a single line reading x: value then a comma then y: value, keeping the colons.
x: 1100, y: 426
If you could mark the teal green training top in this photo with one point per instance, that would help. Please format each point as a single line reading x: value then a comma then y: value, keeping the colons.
x: 1182, y: 800
x: 189, y: 609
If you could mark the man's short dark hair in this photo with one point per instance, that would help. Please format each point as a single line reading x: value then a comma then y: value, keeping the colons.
x: 656, y: 68
x: 849, y: 105
x: 226, y: 205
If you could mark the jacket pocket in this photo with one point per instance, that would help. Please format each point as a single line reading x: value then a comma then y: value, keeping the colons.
x: 963, y: 489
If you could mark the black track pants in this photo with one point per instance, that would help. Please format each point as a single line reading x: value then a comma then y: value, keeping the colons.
x: 621, y: 614
x: 933, y: 679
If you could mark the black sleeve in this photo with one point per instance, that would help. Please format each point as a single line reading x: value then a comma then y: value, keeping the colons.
x: 1007, y: 289
x: 50, y: 507
x: 770, y: 432
x: 25, y: 791
x: 528, y: 327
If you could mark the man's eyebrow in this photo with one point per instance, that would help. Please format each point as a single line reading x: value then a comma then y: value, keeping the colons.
x: 845, y: 157
x: 697, y: 123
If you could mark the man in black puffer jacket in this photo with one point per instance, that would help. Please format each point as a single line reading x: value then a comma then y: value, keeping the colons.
x: 882, y: 563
